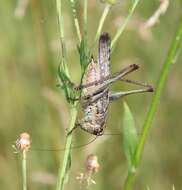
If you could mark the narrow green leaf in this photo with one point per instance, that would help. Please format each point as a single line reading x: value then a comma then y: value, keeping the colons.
x: 66, y: 84
x: 130, y: 136
x: 124, y: 24
x: 75, y: 19
x: 83, y: 55
x: 101, y: 24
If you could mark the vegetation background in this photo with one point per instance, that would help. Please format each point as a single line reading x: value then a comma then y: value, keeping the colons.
x: 31, y: 101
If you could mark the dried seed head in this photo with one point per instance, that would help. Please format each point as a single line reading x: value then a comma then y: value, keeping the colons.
x: 92, y: 164
x: 23, y: 142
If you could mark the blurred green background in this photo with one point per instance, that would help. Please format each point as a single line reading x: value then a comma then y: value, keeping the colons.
x: 30, y: 100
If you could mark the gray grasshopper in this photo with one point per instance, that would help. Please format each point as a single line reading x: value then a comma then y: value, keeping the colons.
x: 96, y: 94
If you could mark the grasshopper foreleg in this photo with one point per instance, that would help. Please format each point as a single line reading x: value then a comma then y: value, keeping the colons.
x: 77, y: 124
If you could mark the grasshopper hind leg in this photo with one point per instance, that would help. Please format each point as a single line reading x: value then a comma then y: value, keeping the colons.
x: 116, y: 95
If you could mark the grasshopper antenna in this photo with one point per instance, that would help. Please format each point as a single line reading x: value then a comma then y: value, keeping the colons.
x: 63, y: 149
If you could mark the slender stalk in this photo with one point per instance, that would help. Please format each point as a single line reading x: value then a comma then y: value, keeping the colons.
x: 84, y: 44
x: 63, y: 169
x: 63, y: 166
x: 76, y: 20
x: 61, y: 31
x: 171, y: 59
x: 123, y: 26
x: 24, y: 169
x: 85, y: 17
x: 101, y: 23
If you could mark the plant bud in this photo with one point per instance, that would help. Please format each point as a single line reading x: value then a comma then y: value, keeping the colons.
x: 23, y: 142
x: 92, y: 163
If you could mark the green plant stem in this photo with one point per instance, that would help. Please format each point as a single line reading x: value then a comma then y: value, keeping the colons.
x: 171, y: 59
x: 84, y: 40
x: 101, y: 23
x: 76, y: 20
x: 61, y: 31
x: 123, y: 26
x: 85, y: 17
x: 63, y: 167
x: 24, y: 169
